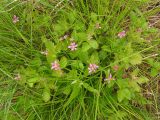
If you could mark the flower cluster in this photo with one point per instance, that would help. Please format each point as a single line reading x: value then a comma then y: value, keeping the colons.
x: 55, y: 66
x: 92, y: 68
x: 122, y: 34
x: 15, y: 19
x: 73, y: 46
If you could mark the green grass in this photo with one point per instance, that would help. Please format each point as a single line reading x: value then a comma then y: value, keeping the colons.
x: 41, y: 23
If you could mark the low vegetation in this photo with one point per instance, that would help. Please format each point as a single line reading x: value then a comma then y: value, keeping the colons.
x: 79, y: 60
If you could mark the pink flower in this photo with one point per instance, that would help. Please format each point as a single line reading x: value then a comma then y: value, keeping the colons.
x: 109, y: 78
x: 122, y: 34
x: 44, y: 52
x: 73, y: 46
x: 92, y: 68
x: 15, y: 19
x: 55, y: 66
x: 17, y: 77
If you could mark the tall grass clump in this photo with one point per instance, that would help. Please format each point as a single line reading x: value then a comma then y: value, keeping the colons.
x: 76, y: 60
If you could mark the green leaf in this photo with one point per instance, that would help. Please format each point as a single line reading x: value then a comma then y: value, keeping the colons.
x: 106, y: 48
x: 94, y: 58
x: 85, y: 46
x: 156, y: 65
x: 154, y: 72
x: 134, y: 85
x: 43, y: 69
x: 72, y: 75
x: 136, y: 59
x: 77, y: 64
x: 67, y: 90
x: 79, y: 26
x: 51, y: 50
x: 49, y: 44
x: 83, y: 56
x: 89, y: 88
x: 122, y: 83
x: 60, y: 28
x: 103, y: 55
x: 111, y: 84
x: 94, y: 17
x: 51, y: 57
x: 72, y: 16
x: 63, y: 62
x: 93, y: 43
x: 123, y: 94
x: 46, y: 95
x: 36, y: 62
x: 150, y: 61
x: 81, y: 36
x: 32, y: 81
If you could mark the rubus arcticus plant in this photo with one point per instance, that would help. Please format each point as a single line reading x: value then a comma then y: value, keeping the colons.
x: 87, y: 65
x: 83, y: 63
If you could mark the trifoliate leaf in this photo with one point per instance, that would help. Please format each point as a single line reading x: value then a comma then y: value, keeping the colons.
x: 106, y: 48
x: 156, y: 65
x: 83, y: 56
x: 93, y: 17
x: 63, y: 62
x: 79, y: 36
x: 79, y: 26
x: 46, y: 95
x: 102, y: 54
x: 154, y: 72
x: 123, y: 94
x: 93, y: 43
x: 135, y: 86
x: 32, y: 81
x: 72, y: 75
x: 36, y: 62
x: 136, y: 59
x: 85, y: 46
x: 60, y: 28
x: 51, y: 50
x: 94, y: 58
x: 77, y: 64
x: 122, y: 83
x: 67, y: 90
x: 72, y: 16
